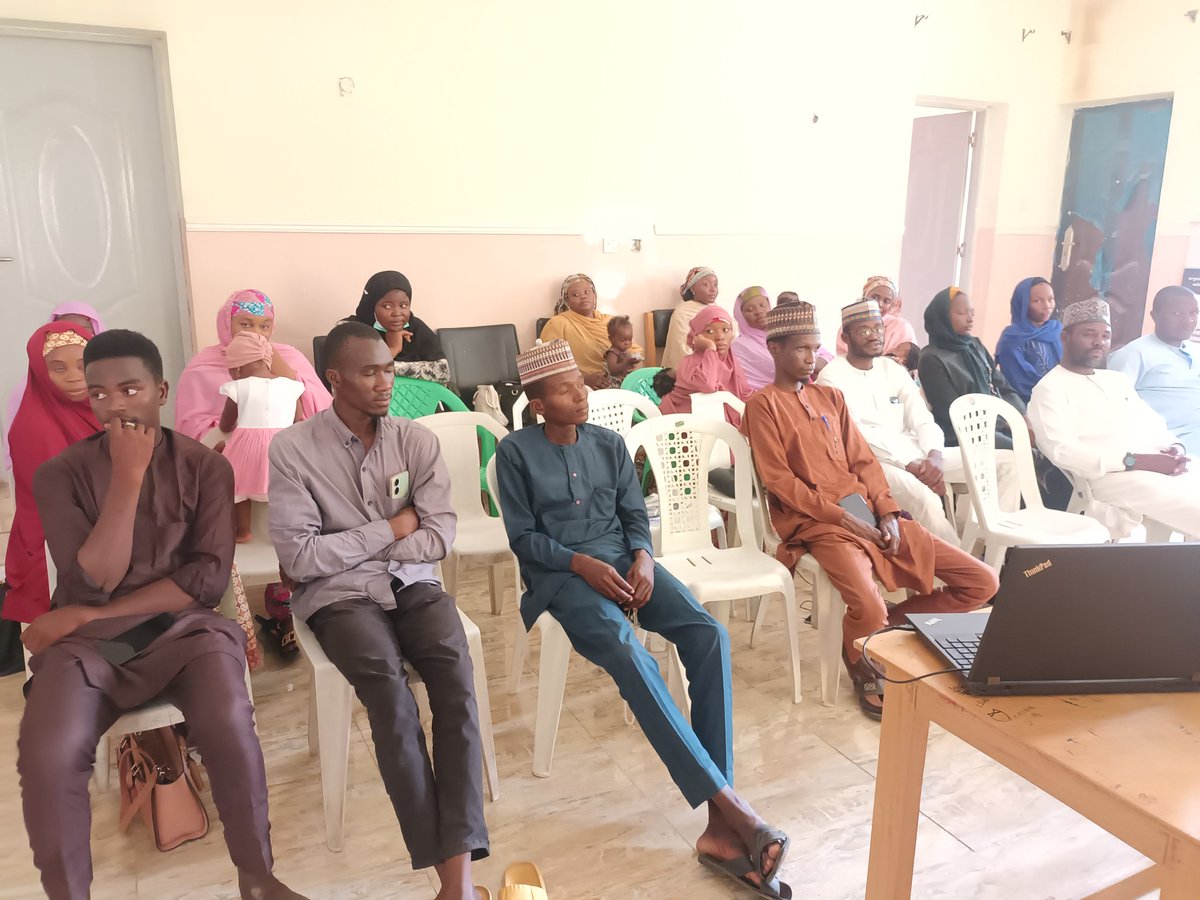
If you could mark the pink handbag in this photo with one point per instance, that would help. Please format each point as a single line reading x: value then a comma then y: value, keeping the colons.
x: 161, y: 781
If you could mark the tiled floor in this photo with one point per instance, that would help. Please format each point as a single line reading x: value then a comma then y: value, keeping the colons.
x: 608, y: 823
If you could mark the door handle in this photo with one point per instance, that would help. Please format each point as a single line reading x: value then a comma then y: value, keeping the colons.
x: 1068, y: 245
x: 6, y: 259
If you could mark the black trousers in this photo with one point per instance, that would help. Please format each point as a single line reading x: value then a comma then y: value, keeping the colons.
x: 439, y: 805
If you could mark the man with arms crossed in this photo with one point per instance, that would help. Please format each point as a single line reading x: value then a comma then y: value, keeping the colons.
x: 360, y: 514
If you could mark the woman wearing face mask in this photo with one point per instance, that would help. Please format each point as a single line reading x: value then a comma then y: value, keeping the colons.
x: 54, y: 414
x: 386, y: 305
x: 699, y: 291
x: 1032, y: 345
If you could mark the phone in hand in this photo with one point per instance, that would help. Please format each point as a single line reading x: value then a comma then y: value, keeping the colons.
x: 857, y: 506
x: 125, y: 646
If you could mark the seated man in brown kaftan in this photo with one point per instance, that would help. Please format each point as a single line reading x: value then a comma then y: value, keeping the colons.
x: 138, y: 520
x: 829, y: 497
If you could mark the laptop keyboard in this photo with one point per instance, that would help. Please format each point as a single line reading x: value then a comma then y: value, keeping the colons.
x: 960, y: 652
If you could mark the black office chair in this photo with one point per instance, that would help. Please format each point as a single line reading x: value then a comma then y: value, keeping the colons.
x: 541, y: 323
x: 319, y: 358
x: 657, y: 322
x: 480, y: 354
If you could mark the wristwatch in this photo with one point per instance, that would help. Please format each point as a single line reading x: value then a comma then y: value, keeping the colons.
x: 1130, y: 461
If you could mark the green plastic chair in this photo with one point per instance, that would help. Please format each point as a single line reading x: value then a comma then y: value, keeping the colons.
x: 641, y: 381
x: 413, y: 398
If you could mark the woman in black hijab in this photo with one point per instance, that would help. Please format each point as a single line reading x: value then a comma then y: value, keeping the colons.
x: 957, y: 363
x: 386, y: 305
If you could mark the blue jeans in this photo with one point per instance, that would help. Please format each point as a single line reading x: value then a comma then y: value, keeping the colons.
x: 698, y: 756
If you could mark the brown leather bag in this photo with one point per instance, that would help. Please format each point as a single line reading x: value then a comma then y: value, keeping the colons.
x: 161, y: 781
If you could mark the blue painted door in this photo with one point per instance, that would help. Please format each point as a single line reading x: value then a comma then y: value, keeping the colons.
x: 1110, y: 209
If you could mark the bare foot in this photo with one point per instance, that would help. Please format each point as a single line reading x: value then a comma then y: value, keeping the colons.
x: 733, y: 824
x: 244, y: 537
x: 265, y: 888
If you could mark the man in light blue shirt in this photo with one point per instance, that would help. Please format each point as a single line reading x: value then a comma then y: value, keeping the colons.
x: 1165, y: 366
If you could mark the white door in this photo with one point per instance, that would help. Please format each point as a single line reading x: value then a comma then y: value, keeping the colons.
x: 931, y: 254
x: 88, y: 205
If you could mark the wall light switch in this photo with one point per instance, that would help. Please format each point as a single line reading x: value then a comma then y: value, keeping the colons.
x: 611, y: 245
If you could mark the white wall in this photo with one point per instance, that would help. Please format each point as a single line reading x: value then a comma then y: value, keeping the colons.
x: 551, y: 125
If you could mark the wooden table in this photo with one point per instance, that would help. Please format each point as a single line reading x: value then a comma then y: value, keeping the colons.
x: 1128, y: 762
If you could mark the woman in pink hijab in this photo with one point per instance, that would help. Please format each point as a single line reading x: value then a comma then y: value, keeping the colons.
x: 750, y: 346
x: 73, y: 313
x: 198, y: 399
x: 199, y: 404
x: 710, y: 367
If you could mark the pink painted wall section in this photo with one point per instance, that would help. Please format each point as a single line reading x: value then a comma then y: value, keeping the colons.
x: 1166, y: 267
x: 315, y: 278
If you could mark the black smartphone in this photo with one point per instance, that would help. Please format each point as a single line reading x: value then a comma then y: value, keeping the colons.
x: 125, y: 646
x: 856, y: 505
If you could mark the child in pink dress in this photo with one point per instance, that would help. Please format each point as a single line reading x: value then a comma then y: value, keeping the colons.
x: 258, y: 405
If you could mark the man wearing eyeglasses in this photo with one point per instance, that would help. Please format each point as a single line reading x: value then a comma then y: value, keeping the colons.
x: 888, y: 408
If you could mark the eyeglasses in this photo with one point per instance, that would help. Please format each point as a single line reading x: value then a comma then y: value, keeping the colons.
x: 863, y: 331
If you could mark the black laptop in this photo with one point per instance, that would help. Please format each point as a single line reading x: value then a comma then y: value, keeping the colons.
x: 1092, y: 619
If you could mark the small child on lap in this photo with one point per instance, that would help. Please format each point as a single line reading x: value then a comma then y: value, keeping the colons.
x: 618, y: 360
x: 258, y: 405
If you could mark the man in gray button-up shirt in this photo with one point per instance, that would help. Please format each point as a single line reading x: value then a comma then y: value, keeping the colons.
x: 360, y: 514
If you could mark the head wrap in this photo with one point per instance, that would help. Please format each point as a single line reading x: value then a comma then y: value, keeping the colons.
x: 708, y: 315
x: 58, y: 339
x: 878, y: 281
x: 1026, y: 351
x: 562, y: 305
x: 749, y: 294
x: 251, y: 302
x: 45, y: 424
x: 1085, y: 312
x: 861, y: 311
x: 943, y: 336
x: 543, y: 360
x: 750, y: 346
x: 73, y: 308
x: 379, y: 285
x: 693, y: 276
x: 795, y: 318
x: 70, y: 308
x: 247, y: 347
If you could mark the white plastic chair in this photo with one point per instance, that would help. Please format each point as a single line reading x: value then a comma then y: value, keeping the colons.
x: 614, y: 408
x: 679, y: 448
x: 974, y: 419
x: 154, y: 714
x: 712, y: 407
x: 478, y: 535
x: 256, y: 560
x: 827, y: 606
x: 330, y: 704
x: 552, y: 670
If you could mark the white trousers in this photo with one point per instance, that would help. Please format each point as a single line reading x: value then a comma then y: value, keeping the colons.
x: 929, y: 509
x: 1173, y: 500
